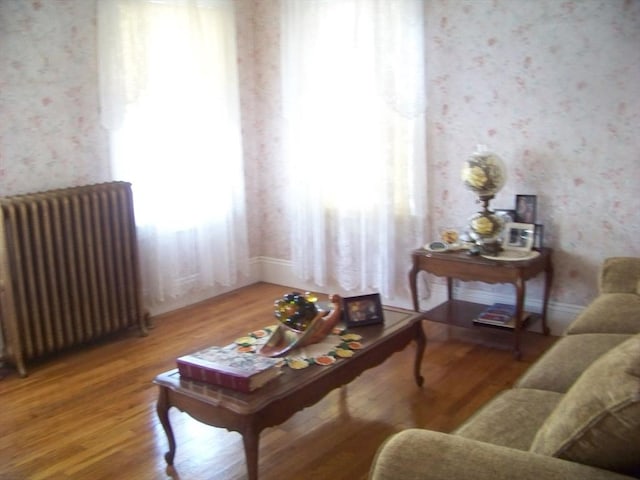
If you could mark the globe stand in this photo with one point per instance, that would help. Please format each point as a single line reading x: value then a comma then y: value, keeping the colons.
x: 492, y: 248
x: 486, y: 227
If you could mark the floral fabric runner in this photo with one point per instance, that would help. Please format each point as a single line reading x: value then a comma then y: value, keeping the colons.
x: 334, y: 346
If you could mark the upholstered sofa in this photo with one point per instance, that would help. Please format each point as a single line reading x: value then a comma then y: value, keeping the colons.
x: 575, y: 413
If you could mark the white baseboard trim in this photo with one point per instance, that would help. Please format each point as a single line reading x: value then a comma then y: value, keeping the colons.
x: 280, y: 272
x: 255, y: 275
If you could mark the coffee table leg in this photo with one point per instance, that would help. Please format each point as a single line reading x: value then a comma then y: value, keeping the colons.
x: 162, y: 408
x: 251, y: 440
x: 421, y: 343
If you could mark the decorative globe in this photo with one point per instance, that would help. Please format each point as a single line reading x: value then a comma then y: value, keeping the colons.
x: 296, y: 310
x: 484, y: 173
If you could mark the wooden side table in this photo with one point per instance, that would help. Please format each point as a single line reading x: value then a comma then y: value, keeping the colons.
x: 462, y: 266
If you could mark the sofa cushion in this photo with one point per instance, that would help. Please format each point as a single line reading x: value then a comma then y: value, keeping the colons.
x: 620, y: 275
x: 416, y: 454
x: 512, y: 418
x: 597, y: 422
x: 564, y: 362
x: 609, y: 313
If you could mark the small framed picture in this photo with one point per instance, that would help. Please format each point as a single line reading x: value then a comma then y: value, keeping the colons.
x: 362, y: 310
x: 538, y: 237
x: 525, y: 209
x: 518, y: 237
x: 449, y: 235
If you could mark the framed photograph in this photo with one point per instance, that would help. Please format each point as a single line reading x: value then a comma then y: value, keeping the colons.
x: 538, y: 236
x: 525, y: 209
x: 362, y: 310
x: 518, y: 237
x: 449, y: 235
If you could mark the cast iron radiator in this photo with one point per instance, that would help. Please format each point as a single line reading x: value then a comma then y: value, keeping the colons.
x: 69, y: 271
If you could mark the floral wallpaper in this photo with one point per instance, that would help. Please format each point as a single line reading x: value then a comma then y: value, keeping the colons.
x: 552, y: 87
x: 50, y: 133
x: 260, y: 98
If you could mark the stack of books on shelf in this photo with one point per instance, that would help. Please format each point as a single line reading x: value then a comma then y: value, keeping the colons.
x: 500, y: 315
x: 226, y: 367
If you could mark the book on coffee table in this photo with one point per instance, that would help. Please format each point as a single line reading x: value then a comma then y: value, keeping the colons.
x: 226, y: 367
x: 500, y: 315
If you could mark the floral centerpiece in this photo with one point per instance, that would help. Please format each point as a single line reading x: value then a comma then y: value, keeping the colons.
x: 296, y: 310
x: 302, y: 322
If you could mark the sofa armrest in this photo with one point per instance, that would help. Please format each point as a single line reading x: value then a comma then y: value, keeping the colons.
x: 417, y: 454
x: 620, y: 275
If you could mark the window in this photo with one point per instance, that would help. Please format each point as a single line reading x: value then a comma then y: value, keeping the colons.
x: 169, y: 92
x: 354, y: 137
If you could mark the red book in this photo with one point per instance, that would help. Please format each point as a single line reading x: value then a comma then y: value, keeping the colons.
x: 226, y: 367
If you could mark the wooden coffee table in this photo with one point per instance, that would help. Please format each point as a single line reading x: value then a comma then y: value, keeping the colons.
x: 294, y: 390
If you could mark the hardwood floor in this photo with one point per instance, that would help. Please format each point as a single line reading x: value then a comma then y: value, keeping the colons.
x: 90, y: 413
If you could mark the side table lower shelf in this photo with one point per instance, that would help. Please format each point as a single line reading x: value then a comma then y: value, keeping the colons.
x: 460, y: 313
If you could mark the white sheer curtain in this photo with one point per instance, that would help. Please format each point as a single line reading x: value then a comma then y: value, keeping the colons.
x: 354, y: 101
x: 169, y: 98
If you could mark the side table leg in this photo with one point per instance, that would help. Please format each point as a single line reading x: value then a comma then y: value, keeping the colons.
x: 162, y: 407
x: 548, y: 278
x: 251, y: 440
x: 413, y: 285
x: 520, y: 288
x: 421, y: 343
